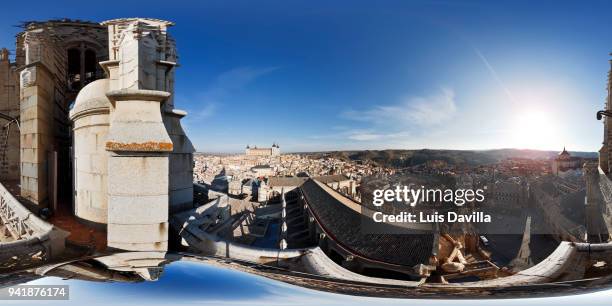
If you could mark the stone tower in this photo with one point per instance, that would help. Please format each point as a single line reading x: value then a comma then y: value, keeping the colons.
x: 98, y: 134
x: 133, y: 160
x: 90, y: 116
x: 598, y: 202
x: 56, y: 59
x: 141, y: 149
x: 605, y: 153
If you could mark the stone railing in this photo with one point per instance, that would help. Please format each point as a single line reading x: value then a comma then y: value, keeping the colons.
x: 561, y: 225
x: 605, y: 184
x: 30, y: 234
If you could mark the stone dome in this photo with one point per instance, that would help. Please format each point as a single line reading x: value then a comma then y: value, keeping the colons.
x: 90, y: 115
x: 91, y: 98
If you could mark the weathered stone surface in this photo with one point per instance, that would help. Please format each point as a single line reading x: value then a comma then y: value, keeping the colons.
x: 139, y: 165
x: 91, y: 124
x: 138, y: 175
x: 148, y: 209
x: 9, y: 105
x: 138, y: 233
x: 132, y: 161
x: 42, y: 49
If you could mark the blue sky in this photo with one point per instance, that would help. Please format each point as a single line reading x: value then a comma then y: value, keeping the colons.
x: 375, y: 75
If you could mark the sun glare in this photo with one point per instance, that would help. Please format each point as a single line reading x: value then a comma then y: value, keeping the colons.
x: 535, y: 130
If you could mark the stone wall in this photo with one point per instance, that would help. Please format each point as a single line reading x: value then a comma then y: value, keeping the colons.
x: 9, y: 106
x: 605, y: 153
x: 45, y: 96
x: 37, y: 125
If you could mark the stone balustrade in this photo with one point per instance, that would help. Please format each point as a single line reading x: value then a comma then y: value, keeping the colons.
x: 29, y: 232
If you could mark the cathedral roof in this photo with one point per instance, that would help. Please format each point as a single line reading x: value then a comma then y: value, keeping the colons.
x: 343, y: 223
x: 564, y: 153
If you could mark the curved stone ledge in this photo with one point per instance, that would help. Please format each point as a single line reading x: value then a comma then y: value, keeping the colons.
x: 78, y: 113
x: 176, y: 113
x: 126, y: 94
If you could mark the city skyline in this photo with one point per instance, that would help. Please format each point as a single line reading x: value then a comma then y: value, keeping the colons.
x: 438, y: 75
x: 100, y: 180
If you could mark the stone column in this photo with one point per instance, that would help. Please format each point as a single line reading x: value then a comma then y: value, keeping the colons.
x: 36, y: 130
x: 139, y: 145
x: 82, y: 65
x: 138, y: 171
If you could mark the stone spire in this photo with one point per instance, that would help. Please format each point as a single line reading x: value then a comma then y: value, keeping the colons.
x: 523, y: 260
x: 4, y: 55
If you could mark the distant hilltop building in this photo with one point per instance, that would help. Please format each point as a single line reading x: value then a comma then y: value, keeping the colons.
x: 255, y: 151
x: 565, y: 162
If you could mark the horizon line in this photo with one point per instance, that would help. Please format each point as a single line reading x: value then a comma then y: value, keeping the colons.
x: 391, y: 149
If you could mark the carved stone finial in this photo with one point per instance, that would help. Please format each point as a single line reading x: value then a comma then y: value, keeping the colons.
x: 4, y: 55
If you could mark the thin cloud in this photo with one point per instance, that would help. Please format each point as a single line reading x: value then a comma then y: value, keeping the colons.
x: 224, y: 85
x: 235, y: 79
x: 411, y: 111
x: 206, y: 111
x: 495, y: 76
x: 365, y: 136
x: 413, y: 116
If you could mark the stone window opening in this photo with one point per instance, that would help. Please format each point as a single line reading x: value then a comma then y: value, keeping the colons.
x: 82, y: 67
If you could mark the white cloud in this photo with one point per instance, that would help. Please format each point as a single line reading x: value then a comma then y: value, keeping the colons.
x: 206, y: 111
x: 365, y: 136
x: 421, y: 111
x: 235, y: 79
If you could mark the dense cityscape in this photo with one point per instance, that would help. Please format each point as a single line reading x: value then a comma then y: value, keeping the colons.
x: 100, y: 182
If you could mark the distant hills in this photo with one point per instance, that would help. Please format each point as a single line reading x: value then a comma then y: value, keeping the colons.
x: 406, y: 158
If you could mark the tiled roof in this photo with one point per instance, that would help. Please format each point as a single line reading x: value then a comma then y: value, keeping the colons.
x: 326, y: 179
x: 343, y: 225
x: 286, y: 181
x: 262, y: 167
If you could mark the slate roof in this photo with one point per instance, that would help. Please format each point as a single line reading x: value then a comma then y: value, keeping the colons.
x: 274, y: 181
x: 261, y: 167
x: 343, y: 224
x: 326, y: 179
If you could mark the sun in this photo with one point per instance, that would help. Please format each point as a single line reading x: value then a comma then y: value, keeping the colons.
x: 535, y: 129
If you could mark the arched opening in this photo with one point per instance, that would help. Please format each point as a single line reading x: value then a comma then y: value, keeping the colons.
x: 82, y: 67
x: 74, y: 69
x: 91, y: 64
